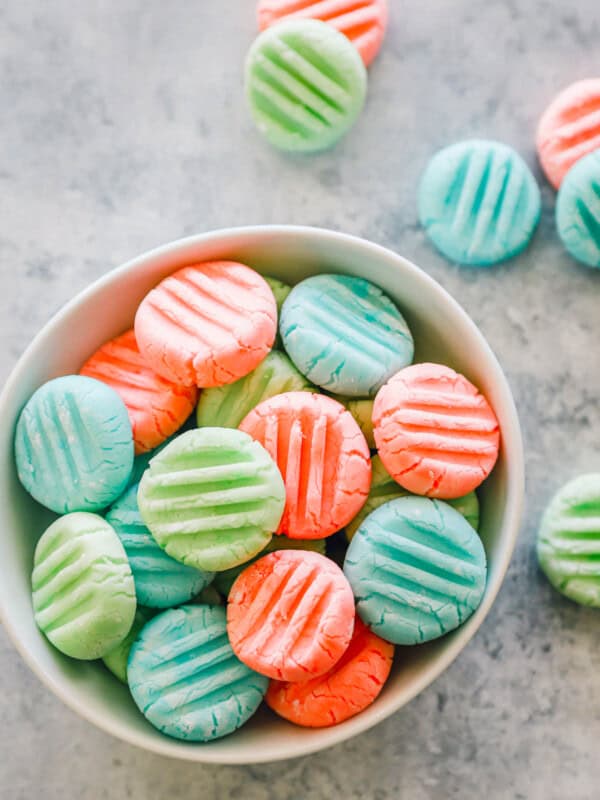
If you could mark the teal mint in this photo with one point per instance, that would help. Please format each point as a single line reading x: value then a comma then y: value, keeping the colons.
x: 306, y: 85
x: 344, y: 334
x: 185, y: 678
x: 417, y: 570
x: 578, y: 210
x: 478, y: 202
x: 73, y: 445
x: 160, y: 581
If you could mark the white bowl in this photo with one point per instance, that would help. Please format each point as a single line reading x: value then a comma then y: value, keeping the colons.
x: 442, y: 331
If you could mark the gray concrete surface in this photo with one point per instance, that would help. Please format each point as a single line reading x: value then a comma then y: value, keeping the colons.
x: 123, y: 126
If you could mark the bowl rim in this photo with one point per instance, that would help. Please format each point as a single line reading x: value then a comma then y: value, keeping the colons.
x: 515, y: 488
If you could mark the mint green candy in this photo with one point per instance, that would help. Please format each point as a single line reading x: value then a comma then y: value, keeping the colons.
x: 212, y: 498
x: 306, y: 85
x: 568, y: 544
x: 83, y: 591
x: 226, y: 406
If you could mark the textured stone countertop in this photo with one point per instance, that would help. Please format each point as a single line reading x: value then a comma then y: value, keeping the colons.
x: 123, y: 127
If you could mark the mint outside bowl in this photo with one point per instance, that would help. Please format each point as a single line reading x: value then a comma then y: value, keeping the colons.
x: 442, y: 331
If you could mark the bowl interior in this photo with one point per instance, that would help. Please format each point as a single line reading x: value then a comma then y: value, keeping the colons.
x: 442, y: 332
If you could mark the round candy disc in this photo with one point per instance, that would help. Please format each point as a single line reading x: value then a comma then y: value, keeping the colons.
x: 226, y: 406
x: 157, y: 407
x: 569, y: 128
x: 347, y: 689
x: 185, y: 678
x: 578, y: 210
x: 568, y: 543
x: 306, y: 85
x: 344, y: 334
x: 83, y: 591
x: 417, y: 570
x: 73, y: 445
x: 160, y: 581
x: 322, y: 455
x: 479, y: 202
x: 290, y: 615
x: 212, y: 498
x: 208, y: 324
x: 384, y: 488
x: 435, y: 433
x: 363, y: 22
